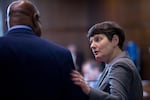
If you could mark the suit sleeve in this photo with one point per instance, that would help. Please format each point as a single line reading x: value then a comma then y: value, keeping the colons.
x: 120, y: 77
x: 72, y: 92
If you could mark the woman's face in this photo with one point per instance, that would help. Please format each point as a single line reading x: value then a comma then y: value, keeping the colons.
x: 101, y: 47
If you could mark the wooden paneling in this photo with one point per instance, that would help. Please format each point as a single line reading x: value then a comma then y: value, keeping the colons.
x: 134, y: 16
x: 65, y: 22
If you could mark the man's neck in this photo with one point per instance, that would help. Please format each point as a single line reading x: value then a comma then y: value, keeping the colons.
x: 20, y: 26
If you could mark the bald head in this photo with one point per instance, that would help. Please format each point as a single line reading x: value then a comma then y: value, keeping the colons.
x: 24, y: 12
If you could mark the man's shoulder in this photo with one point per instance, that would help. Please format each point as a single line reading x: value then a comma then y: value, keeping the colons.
x: 57, y: 48
x: 43, y: 43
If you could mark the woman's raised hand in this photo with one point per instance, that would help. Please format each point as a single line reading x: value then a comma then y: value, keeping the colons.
x: 78, y: 79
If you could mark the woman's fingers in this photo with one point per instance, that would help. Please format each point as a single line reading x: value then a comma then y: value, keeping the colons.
x: 77, y: 75
x: 74, y: 71
x: 78, y: 79
x: 74, y: 75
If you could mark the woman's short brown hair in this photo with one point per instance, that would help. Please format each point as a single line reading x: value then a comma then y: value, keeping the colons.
x: 109, y: 28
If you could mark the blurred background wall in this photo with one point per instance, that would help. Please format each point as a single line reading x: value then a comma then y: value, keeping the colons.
x: 67, y: 22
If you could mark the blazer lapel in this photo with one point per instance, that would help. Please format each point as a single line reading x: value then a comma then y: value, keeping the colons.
x: 103, y: 76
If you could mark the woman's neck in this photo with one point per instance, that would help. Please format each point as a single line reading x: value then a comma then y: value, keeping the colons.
x: 114, y: 54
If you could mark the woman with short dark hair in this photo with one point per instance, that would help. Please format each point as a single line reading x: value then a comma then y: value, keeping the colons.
x: 120, y: 79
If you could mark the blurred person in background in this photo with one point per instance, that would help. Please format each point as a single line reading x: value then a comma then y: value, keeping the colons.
x: 32, y: 68
x: 73, y: 49
x: 77, y: 56
x: 92, y: 71
x: 134, y: 52
x: 120, y: 79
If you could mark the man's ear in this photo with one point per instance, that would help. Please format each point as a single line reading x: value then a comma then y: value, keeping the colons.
x: 35, y: 19
x: 36, y: 24
x: 115, y: 40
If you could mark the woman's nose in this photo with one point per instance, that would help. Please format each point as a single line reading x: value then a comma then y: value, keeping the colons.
x: 93, y: 46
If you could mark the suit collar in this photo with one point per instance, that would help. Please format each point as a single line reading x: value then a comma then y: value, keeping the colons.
x: 107, y: 67
x: 103, y: 76
x: 20, y: 31
x: 20, y: 26
x: 124, y: 54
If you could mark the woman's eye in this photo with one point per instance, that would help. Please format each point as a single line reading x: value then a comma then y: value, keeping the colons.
x: 97, y: 39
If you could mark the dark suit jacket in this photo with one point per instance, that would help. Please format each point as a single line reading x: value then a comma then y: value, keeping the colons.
x: 33, y: 68
x: 120, y: 81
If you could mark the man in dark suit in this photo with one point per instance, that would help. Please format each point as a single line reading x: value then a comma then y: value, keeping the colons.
x: 31, y: 67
